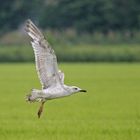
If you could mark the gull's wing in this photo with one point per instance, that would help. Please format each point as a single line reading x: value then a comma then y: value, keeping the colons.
x: 46, y: 61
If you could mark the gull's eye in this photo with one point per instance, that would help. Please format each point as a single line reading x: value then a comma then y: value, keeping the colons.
x: 75, y: 88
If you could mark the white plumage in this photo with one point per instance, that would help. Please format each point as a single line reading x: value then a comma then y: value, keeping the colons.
x: 51, y: 78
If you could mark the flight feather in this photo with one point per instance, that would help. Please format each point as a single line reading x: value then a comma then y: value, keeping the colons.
x: 45, y: 58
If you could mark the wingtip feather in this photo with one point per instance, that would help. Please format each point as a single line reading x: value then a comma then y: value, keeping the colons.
x: 32, y: 30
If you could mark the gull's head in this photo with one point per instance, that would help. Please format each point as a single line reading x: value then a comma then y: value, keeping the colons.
x: 75, y: 89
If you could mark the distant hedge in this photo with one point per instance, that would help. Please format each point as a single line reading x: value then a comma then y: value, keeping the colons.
x: 81, y: 53
x: 82, y: 15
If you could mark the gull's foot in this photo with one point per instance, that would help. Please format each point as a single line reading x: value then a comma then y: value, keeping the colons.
x: 40, y: 109
x: 39, y: 113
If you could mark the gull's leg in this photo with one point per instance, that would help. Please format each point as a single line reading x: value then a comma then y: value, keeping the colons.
x: 40, y: 109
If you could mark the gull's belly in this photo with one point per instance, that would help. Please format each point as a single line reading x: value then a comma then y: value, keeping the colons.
x: 52, y: 93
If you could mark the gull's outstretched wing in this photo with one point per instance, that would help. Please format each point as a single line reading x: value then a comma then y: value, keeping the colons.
x: 46, y: 61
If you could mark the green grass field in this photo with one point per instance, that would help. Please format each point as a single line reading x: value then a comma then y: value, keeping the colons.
x: 110, y: 110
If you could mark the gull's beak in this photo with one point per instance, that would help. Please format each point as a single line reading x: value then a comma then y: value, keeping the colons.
x: 82, y: 90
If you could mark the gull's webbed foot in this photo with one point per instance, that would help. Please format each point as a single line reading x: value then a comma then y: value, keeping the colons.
x: 40, y: 109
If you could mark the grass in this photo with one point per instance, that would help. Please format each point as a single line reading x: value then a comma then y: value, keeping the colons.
x: 76, y: 53
x: 109, y: 111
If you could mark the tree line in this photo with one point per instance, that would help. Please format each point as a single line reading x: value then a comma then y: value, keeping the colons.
x: 83, y: 16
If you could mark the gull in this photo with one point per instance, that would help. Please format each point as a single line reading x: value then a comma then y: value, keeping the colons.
x: 51, y: 78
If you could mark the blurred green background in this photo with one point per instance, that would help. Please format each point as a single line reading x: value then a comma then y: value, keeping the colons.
x: 103, y: 31
x: 91, y: 30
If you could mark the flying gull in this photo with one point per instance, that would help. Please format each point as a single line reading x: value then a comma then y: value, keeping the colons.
x: 51, y: 78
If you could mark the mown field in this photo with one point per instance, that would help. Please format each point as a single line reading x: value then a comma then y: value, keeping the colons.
x: 110, y: 110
